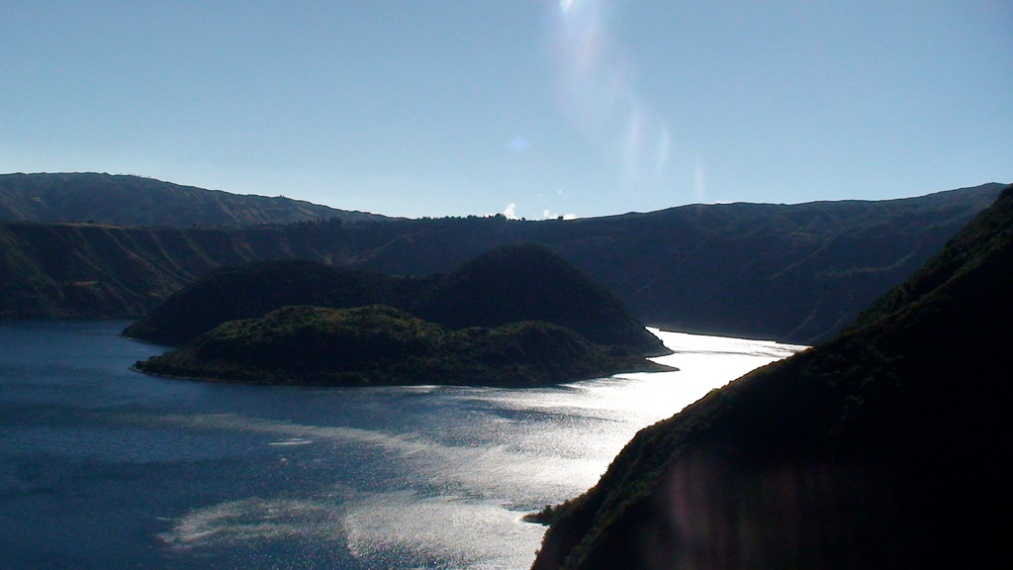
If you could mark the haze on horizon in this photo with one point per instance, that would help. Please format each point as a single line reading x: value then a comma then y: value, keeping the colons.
x: 534, y: 108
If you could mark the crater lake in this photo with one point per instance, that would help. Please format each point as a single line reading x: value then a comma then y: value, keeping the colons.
x: 102, y: 467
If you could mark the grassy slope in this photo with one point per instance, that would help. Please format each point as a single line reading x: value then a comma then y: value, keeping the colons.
x: 879, y: 448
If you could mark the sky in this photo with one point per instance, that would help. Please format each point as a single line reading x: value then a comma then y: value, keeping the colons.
x: 532, y: 108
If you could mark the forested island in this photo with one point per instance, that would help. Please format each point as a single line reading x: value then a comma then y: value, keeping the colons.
x: 515, y: 316
x: 379, y: 345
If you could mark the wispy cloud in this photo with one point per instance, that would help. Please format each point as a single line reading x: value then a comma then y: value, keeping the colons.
x: 549, y: 214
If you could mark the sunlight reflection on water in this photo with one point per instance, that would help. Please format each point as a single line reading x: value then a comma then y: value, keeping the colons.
x: 501, y: 453
x: 151, y: 472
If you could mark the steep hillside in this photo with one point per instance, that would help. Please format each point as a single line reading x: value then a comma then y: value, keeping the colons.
x: 523, y: 282
x: 249, y: 290
x: 881, y: 448
x: 94, y: 271
x: 793, y: 273
x: 378, y: 345
x: 508, y: 284
x: 796, y: 273
x: 136, y: 201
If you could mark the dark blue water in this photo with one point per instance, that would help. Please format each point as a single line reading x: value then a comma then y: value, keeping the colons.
x: 101, y: 467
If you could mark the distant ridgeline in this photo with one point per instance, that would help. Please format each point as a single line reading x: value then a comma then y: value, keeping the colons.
x: 883, y: 448
x: 517, y: 315
x: 794, y: 273
x: 121, y: 200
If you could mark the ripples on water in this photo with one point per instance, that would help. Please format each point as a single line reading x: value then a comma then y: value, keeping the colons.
x: 102, y: 467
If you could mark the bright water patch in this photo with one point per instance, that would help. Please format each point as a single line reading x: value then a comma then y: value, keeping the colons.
x: 104, y: 468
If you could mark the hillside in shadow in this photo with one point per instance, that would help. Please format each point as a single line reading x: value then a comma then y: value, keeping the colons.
x: 880, y: 448
x: 513, y: 283
x: 796, y: 273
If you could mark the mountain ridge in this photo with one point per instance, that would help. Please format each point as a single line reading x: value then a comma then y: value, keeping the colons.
x: 791, y: 273
x: 127, y: 200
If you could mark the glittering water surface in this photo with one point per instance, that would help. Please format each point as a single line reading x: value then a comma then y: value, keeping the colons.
x: 101, y: 467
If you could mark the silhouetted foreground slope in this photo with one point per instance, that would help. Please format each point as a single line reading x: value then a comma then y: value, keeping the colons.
x: 520, y: 282
x: 883, y: 448
x: 378, y: 345
x: 125, y: 200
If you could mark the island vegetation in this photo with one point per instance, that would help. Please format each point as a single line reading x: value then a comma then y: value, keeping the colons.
x: 513, y: 283
x: 379, y: 345
x: 517, y: 315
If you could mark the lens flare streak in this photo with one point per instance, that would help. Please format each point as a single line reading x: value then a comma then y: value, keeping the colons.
x: 598, y: 92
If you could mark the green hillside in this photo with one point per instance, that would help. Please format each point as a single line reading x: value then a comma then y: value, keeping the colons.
x: 879, y: 449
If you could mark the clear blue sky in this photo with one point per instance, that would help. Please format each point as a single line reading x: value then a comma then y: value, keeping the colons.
x: 456, y: 107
